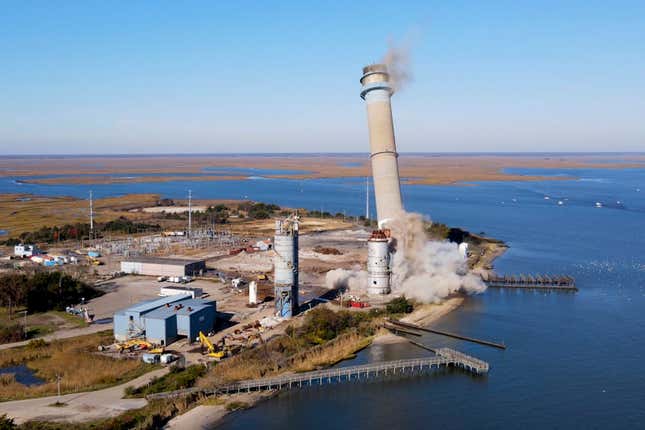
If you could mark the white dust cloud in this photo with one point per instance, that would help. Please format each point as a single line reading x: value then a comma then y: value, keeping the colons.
x: 423, y: 270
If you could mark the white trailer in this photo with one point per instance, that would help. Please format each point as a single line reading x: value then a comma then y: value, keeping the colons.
x: 25, y: 251
x: 173, y: 291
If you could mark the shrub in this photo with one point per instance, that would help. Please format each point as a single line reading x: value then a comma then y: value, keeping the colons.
x: 400, y: 305
x: 176, y: 379
x: 11, y: 333
x: 7, y: 423
x: 234, y: 406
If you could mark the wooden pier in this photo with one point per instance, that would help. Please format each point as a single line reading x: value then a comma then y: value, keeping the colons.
x: 445, y: 357
x: 401, y: 326
x: 542, y: 282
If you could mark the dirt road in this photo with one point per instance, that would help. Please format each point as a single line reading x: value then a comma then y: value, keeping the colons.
x: 84, y: 406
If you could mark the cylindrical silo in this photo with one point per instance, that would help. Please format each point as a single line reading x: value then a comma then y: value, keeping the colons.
x: 378, y: 264
x: 285, y: 247
x: 253, y: 293
x: 376, y: 92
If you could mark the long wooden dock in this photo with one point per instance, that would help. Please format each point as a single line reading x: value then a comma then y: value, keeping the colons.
x: 404, y: 325
x: 539, y: 281
x: 445, y: 357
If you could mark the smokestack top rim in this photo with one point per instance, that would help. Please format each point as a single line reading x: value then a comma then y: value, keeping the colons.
x: 376, y: 69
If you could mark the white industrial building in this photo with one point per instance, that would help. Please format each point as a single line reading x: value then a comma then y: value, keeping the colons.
x: 156, y: 266
x: 193, y: 293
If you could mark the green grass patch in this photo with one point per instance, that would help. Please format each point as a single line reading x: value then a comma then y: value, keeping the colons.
x: 77, y: 320
x: 236, y: 406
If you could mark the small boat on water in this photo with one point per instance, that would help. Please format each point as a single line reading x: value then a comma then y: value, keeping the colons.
x: 598, y: 204
x: 560, y: 202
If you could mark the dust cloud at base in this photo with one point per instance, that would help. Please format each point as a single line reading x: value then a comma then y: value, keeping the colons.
x: 423, y: 270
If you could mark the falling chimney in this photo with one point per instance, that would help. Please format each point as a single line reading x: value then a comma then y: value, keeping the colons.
x: 376, y: 91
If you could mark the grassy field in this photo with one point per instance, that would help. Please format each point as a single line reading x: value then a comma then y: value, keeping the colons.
x: 19, y: 215
x: 40, y: 324
x: 75, y: 359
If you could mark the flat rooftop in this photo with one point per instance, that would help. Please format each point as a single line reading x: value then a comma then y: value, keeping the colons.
x: 161, y: 260
x: 186, y: 289
x: 195, y: 305
x: 153, y: 304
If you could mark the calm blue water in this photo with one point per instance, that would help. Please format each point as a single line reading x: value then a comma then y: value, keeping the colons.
x: 23, y: 375
x: 573, y: 359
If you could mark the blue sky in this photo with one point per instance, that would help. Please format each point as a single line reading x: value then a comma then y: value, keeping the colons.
x: 215, y: 76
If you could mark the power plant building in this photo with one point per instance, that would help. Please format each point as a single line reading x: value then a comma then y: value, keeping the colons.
x: 156, y: 266
x: 162, y: 321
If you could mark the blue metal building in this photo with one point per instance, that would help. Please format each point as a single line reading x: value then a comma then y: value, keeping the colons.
x: 163, y: 320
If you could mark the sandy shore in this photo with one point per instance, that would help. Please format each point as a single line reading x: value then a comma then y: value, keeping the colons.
x: 208, y: 416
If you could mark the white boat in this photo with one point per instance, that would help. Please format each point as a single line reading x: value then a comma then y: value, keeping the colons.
x: 598, y: 204
x: 560, y: 202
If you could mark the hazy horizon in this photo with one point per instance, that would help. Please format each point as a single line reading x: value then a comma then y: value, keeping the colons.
x: 340, y: 154
x: 87, y: 78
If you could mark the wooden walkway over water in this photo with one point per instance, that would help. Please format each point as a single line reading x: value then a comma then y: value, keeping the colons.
x: 539, y: 281
x: 445, y: 357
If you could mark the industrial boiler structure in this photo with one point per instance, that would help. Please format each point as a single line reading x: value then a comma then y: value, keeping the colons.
x: 377, y: 89
x: 285, y: 248
x: 378, y: 263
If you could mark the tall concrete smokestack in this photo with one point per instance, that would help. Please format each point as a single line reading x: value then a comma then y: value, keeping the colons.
x: 377, y: 90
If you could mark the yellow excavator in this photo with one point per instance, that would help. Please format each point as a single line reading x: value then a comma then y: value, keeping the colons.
x: 94, y: 261
x: 212, y: 352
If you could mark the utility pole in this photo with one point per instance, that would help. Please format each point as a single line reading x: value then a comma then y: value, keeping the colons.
x: 190, y: 212
x: 58, y: 378
x: 24, y: 324
x: 367, y: 197
x: 91, y: 216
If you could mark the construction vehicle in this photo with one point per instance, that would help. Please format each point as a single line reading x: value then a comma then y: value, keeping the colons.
x: 93, y: 261
x: 133, y: 345
x: 211, y: 351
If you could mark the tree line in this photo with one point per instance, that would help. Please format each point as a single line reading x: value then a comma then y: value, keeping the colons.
x: 43, y: 291
x: 80, y: 231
